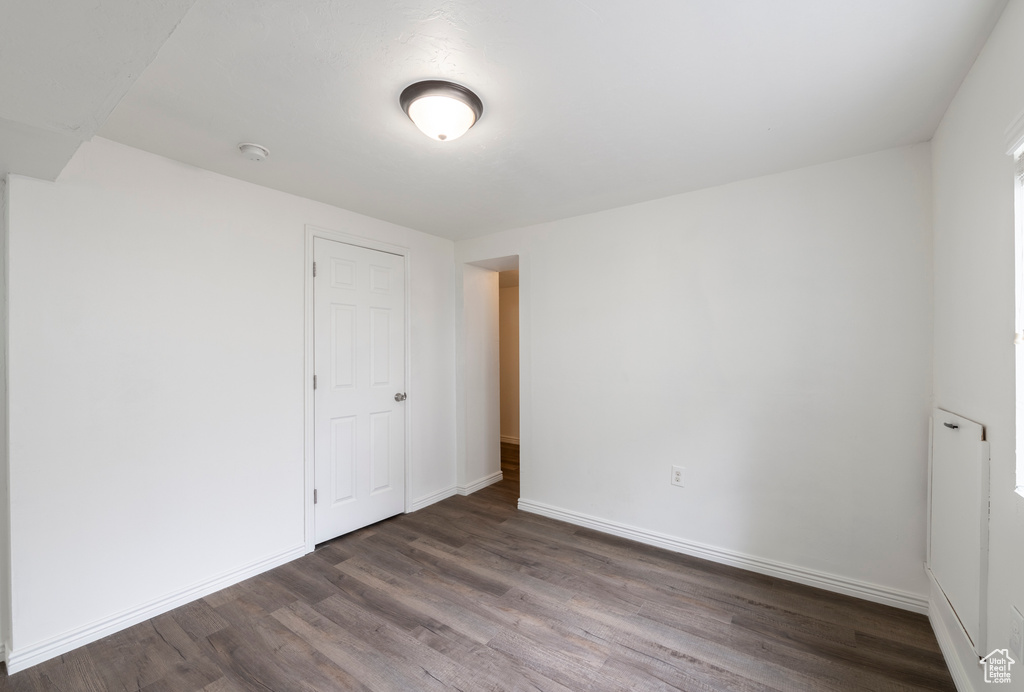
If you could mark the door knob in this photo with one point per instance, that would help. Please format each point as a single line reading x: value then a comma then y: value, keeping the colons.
x: 400, y: 396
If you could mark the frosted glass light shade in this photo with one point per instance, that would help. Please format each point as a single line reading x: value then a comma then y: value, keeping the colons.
x: 441, y: 110
x: 441, y: 117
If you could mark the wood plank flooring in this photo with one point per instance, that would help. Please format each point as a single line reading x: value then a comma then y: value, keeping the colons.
x: 471, y: 594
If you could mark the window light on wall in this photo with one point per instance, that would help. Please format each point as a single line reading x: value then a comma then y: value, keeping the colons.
x: 1016, y: 149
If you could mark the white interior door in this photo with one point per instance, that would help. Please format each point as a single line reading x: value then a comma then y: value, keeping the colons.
x: 959, y: 519
x: 359, y: 367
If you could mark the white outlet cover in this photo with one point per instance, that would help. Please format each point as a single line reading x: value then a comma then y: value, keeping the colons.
x: 679, y: 476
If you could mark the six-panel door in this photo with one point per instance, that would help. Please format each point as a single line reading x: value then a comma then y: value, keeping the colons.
x: 359, y: 362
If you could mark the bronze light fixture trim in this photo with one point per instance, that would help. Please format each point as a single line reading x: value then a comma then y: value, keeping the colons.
x: 442, y: 110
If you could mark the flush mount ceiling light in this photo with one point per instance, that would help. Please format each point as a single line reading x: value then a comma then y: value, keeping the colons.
x: 442, y: 110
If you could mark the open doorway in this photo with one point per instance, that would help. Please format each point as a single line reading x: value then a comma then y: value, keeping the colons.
x: 488, y: 411
x: 508, y: 348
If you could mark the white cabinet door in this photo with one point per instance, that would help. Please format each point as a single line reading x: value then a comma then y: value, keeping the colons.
x: 359, y: 363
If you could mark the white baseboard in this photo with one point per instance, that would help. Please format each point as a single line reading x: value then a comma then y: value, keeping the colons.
x: 477, y: 485
x: 508, y: 439
x: 956, y: 647
x: 428, y: 500
x: 25, y: 657
x: 822, y: 580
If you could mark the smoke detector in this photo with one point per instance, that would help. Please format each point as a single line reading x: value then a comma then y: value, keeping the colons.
x: 253, y: 152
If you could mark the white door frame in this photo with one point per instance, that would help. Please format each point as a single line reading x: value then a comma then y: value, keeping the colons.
x: 308, y: 417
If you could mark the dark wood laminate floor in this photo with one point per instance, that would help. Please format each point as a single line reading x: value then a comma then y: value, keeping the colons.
x: 471, y: 594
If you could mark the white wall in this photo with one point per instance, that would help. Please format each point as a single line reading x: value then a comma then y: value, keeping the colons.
x: 5, y: 503
x: 974, y: 298
x: 508, y: 329
x: 156, y: 385
x: 773, y: 337
x: 480, y: 416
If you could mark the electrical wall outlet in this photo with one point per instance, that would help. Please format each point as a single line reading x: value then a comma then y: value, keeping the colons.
x: 678, y: 476
x: 1016, y: 634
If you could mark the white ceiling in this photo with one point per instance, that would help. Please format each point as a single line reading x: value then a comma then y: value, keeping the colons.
x: 588, y: 104
x: 64, y: 65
